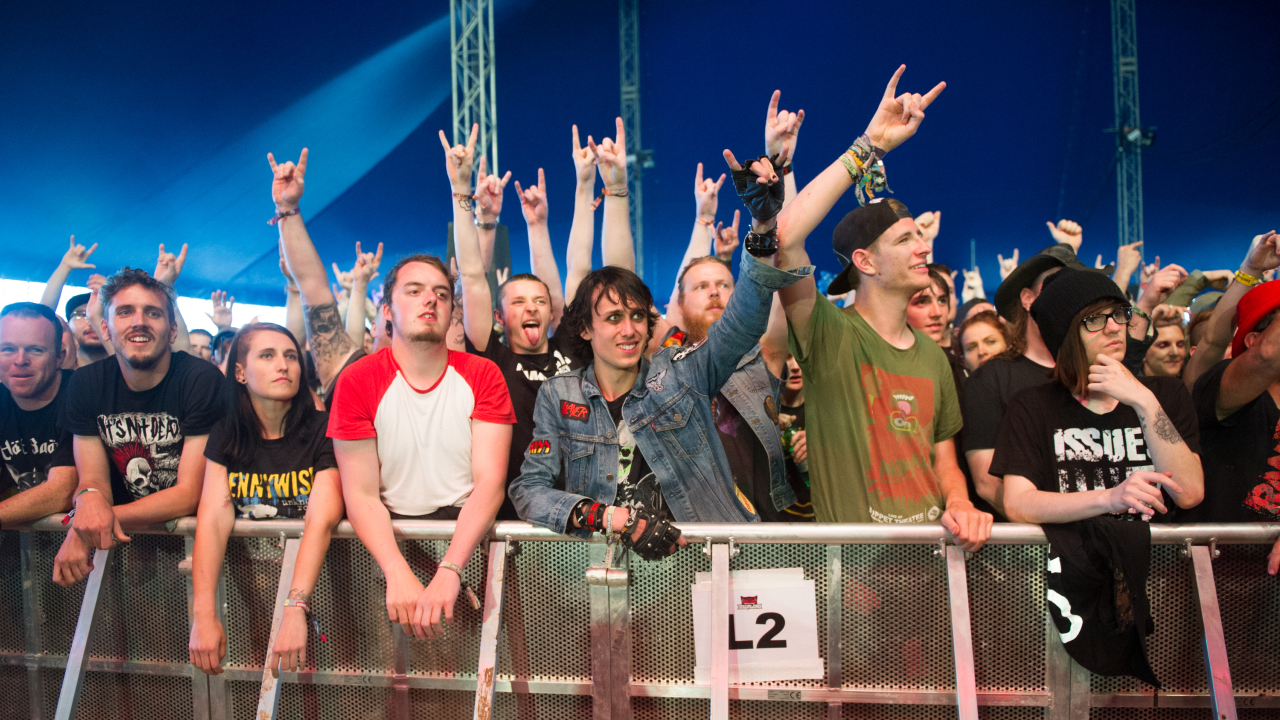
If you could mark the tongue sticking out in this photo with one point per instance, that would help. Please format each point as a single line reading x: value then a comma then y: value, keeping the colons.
x: 531, y: 334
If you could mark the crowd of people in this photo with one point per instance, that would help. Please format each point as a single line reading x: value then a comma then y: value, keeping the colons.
x: 578, y: 404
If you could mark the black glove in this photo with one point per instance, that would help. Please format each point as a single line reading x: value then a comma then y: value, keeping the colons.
x: 764, y: 202
x: 658, y: 539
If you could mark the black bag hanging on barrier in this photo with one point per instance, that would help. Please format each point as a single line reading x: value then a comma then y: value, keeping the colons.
x: 1097, y: 594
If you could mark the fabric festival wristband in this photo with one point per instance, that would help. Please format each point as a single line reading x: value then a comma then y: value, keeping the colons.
x: 282, y: 215
x: 1246, y: 279
x: 707, y: 223
x: 869, y: 159
x: 624, y: 192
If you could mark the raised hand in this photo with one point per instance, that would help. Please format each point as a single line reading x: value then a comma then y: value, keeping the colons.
x: 611, y: 157
x: 76, y: 257
x: 1098, y: 264
x: 726, y: 238
x: 929, y: 223
x: 458, y: 160
x: 534, y: 200
x: 342, y: 276
x: 899, y: 116
x: 366, y: 267
x: 1007, y: 266
x: 1067, y: 232
x: 763, y: 169
x: 1264, y: 255
x: 781, y: 128
x: 584, y: 162
x: 287, y: 181
x: 1150, y: 270
x: 1218, y: 279
x: 489, y: 191
x: 1128, y: 259
x: 706, y: 195
x: 169, y: 266
x: 1160, y: 284
x: 972, y: 286
x: 222, y: 307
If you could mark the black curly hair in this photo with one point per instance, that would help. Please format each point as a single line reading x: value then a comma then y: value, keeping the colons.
x: 615, y: 283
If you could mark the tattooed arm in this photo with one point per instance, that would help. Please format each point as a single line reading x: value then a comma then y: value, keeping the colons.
x: 326, y: 332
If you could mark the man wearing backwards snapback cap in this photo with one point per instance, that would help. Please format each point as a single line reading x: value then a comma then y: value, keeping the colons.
x: 882, y: 405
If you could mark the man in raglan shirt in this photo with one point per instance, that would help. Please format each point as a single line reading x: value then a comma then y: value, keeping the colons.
x: 140, y: 419
x: 421, y: 431
x: 38, y: 472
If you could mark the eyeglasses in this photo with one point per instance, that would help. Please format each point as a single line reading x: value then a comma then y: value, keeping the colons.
x: 1094, y: 323
x: 79, y: 315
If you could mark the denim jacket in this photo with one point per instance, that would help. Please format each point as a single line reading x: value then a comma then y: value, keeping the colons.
x: 756, y: 394
x: 575, y: 443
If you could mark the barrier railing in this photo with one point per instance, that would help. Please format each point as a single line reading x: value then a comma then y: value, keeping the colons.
x: 569, y: 629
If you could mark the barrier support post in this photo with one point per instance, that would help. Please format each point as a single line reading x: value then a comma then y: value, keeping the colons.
x: 269, y: 695
x: 73, y: 678
x: 835, y: 618
x: 199, y: 681
x: 1221, y: 693
x: 490, y: 627
x: 719, y: 631
x: 31, y: 622
x: 961, y: 633
x: 619, y: 636
x: 1057, y: 673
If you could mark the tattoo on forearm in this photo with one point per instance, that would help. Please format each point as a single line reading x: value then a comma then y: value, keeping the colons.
x: 1163, y: 429
x: 327, y: 334
x: 300, y: 596
x: 466, y: 203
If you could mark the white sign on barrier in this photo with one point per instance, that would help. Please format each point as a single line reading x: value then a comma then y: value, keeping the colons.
x: 773, y: 627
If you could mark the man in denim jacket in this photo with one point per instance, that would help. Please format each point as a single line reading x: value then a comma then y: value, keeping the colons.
x: 665, y: 415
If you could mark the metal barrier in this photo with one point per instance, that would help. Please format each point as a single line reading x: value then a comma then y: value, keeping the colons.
x: 566, y: 632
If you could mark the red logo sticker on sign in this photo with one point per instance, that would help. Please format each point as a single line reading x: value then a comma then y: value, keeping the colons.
x: 539, y: 447
x: 574, y: 411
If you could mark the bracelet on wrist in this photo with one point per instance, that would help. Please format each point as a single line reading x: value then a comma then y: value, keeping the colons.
x: 282, y: 214
x: 613, y: 193
x: 707, y: 223
x: 1140, y: 312
x: 462, y: 583
x: 466, y: 201
x: 485, y: 225
x: 1246, y: 279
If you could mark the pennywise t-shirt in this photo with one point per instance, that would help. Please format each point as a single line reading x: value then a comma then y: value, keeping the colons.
x: 143, y: 432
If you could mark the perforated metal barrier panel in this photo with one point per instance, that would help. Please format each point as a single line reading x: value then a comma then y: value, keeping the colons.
x: 893, y: 625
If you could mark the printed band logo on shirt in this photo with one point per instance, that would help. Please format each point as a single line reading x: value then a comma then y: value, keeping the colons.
x: 748, y: 602
x: 903, y: 417
x: 574, y: 411
x: 539, y: 447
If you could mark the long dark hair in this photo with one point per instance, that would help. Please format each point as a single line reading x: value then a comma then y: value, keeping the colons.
x: 615, y: 283
x: 243, y: 427
x: 1071, y: 366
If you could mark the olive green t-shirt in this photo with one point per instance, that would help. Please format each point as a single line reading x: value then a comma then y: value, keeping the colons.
x: 873, y: 414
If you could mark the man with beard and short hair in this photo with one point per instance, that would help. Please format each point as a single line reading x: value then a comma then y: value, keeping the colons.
x: 422, y: 431
x: 140, y: 420
x: 38, y: 472
x: 89, y: 345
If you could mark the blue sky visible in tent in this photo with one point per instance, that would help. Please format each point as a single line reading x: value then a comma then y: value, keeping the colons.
x: 141, y: 122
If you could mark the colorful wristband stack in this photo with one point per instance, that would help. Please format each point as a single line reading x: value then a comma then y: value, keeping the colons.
x: 865, y: 165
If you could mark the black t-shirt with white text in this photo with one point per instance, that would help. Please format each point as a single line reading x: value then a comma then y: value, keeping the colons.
x: 1241, y: 456
x: 1050, y: 438
x: 143, y: 432
x: 32, y: 442
x: 524, y: 375
x: 276, y: 482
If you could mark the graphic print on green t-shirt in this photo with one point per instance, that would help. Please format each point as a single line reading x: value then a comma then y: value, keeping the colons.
x: 900, y: 481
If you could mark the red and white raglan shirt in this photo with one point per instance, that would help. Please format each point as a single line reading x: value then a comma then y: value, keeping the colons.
x: 424, y: 435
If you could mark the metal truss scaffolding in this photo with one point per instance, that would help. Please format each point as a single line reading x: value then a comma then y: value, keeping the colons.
x: 1130, y: 136
x: 474, y: 90
x: 637, y: 159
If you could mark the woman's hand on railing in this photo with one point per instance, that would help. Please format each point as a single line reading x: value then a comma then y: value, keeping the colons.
x: 290, y: 650
x: 208, y: 644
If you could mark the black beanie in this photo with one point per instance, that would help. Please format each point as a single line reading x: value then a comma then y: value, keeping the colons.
x: 1062, y: 297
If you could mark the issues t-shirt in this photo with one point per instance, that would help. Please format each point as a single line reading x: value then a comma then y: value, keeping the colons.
x: 1058, y: 444
x: 276, y: 481
x: 524, y: 375
x: 1241, y: 456
x: 32, y: 442
x: 424, y: 436
x: 143, y: 431
x: 877, y: 413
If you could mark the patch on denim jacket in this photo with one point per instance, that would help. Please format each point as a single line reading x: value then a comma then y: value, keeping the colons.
x: 574, y: 411
x: 685, y: 352
x: 539, y: 447
x: 655, y: 382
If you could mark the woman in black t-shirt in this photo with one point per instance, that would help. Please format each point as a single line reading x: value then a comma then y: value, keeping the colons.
x: 268, y: 457
x: 1097, y: 440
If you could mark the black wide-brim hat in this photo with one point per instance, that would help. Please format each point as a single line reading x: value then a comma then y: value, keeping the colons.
x: 1061, y: 255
